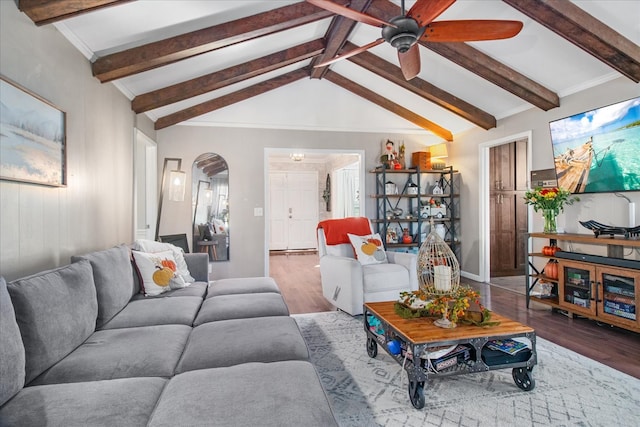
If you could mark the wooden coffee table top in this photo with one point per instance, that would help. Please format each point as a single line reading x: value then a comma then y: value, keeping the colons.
x: 421, y: 330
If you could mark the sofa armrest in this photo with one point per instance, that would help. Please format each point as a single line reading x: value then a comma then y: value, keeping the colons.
x: 410, y: 261
x: 198, y: 264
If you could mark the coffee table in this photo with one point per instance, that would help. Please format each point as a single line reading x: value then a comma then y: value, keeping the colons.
x: 411, y: 341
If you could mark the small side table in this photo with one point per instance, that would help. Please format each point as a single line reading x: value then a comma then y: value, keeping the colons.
x: 210, y: 247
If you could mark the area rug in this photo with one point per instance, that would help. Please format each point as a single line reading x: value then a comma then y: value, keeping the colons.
x: 570, y: 390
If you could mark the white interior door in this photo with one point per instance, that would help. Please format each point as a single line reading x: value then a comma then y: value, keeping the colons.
x: 294, y: 210
x: 279, y: 227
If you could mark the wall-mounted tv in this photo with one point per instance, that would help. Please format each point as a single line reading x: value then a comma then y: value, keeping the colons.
x: 599, y: 150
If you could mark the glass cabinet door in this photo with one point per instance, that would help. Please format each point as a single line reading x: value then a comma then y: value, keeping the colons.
x: 619, y: 297
x: 576, y: 287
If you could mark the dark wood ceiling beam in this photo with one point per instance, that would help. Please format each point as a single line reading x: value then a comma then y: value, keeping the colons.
x: 164, y: 52
x: 232, y: 98
x: 583, y: 30
x: 213, y: 170
x: 336, y: 36
x: 424, y: 89
x: 209, y: 161
x: 480, y: 64
x: 387, y: 104
x: 226, y: 77
x: 43, y: 12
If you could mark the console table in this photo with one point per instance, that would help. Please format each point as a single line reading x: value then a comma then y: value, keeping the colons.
x: 602, y: 288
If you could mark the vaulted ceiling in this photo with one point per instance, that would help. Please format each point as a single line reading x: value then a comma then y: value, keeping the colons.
x: 251, y: 63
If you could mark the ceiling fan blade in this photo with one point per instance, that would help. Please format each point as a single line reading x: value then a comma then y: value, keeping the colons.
x: 349, y: 13
x: 410, y: 62
x: 425, y: 11
x: 470, y: 30
x: 350, y: 53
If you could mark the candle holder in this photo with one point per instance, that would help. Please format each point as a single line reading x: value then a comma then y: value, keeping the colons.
x: 438, y: 267
x: 441, y: 299
x: 438, y: 274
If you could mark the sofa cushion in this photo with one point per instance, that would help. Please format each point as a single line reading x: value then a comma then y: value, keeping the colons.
x: 196, y: 289
x: 150, y: 351
x: 113, y: 278
x: 384, y: 277
x: 231, y: 342
x: 11, y: 348
x: 198, y: 264
x: 247, y: 285
x: 56, y: 311
x: 274, y: 394
x: 241, y: 306
x: 156, y: 311
x: 123, y: 402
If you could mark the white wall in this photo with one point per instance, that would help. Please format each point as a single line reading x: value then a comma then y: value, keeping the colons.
x: 605, y: 208
x: 41, y: 227
x: 243, y: 149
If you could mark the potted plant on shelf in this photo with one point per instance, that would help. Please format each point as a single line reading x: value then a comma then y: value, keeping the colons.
x: 551, y: 202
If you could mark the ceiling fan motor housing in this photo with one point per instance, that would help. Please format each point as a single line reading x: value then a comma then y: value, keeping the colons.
x: 405, y: 35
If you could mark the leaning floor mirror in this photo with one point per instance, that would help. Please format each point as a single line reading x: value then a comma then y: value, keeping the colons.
x: 210, y: 189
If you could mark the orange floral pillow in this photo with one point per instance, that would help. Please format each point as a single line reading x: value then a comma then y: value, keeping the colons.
x: 368, y: 249
x: 156, y: 271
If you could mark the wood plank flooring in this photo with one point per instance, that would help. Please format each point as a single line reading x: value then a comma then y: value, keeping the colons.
x: 299, y: 279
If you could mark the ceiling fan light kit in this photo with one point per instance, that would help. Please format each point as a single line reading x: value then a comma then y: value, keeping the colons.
x: 403, y: 32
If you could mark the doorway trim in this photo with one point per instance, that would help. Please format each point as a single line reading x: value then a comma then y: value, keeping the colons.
x: 146, y: 177
x: 268, y: 152
x: 484, y: 217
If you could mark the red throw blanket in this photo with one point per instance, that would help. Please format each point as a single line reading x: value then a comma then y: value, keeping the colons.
x: 335, y: 230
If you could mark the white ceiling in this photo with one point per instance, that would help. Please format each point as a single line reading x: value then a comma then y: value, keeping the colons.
x: 315, y: 104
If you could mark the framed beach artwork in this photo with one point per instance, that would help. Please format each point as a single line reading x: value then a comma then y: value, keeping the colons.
x: 32, y: 137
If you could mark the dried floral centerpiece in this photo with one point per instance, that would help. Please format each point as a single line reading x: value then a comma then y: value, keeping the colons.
x: 440, y: 293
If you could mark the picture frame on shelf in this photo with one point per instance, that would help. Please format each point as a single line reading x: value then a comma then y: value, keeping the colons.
x: 32, y: 138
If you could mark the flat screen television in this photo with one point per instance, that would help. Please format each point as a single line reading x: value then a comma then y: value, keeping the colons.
x: 599, y: 150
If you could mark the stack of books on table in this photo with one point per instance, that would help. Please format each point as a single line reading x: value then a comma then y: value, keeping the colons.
x: 508, y: 346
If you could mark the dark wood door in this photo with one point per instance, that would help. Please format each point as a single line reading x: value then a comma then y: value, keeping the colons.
x: 508, y: 181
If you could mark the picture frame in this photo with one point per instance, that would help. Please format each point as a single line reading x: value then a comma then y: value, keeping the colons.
x: 32, y: 138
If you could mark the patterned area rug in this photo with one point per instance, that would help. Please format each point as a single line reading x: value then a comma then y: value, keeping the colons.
x: 571, y: 390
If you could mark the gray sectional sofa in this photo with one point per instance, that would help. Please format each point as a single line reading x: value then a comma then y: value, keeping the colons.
x: 80, y: 346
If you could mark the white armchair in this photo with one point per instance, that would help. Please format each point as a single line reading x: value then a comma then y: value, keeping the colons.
x: 346, y: 283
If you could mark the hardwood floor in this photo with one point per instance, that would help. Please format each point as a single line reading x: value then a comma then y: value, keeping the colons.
x: 299, y: 279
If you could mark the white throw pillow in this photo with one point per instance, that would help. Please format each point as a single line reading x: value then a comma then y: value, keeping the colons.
x: 368, y: 249
x: 156, y: 271
x: 152, y: 246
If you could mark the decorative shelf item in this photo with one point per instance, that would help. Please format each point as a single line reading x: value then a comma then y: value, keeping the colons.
x: 609, y: 230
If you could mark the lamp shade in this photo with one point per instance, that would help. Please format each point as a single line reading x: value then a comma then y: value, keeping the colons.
x: 438, y: 151
x: 177, y: 181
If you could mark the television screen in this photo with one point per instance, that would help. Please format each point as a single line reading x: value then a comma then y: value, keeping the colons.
x: 599, y: 150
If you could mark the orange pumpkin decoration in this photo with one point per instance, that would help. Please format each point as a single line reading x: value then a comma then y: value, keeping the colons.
x: 162, y: 276
x: 551, y: 269
x: 550, y: 250
x: 169, y: 264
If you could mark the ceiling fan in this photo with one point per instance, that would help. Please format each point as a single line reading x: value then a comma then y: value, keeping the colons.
x: 403, y: 32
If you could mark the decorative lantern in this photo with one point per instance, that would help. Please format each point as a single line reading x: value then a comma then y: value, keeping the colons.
x: 438, y: 270
x: 438, y: 267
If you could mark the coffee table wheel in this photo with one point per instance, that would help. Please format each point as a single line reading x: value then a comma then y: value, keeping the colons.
x: 523, y: 379
x: 372, y: 347
x: 416, y: 394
